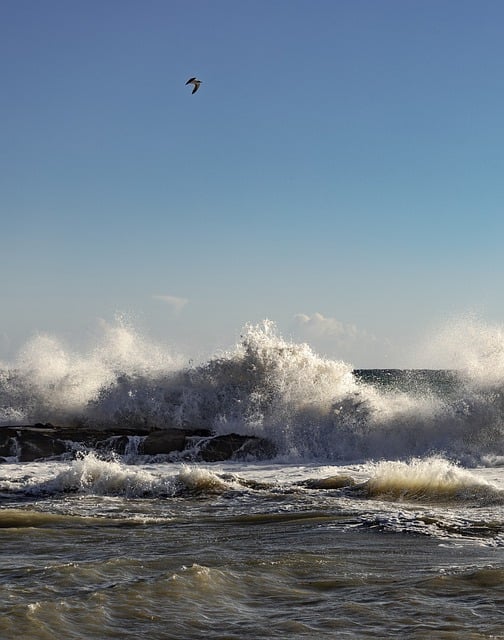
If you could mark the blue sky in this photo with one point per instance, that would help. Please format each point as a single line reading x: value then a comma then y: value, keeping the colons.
x: 338, y: 172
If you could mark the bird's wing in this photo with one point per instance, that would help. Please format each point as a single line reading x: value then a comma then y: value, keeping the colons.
x: 196, y: 87
x: 190, y: 80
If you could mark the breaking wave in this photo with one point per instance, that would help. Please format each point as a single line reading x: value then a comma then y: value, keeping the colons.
x: 311, y: 407
x: 91, y: 475
x: 432, y: 478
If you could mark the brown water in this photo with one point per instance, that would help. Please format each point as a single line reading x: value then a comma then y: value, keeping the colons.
x: 247, y: 552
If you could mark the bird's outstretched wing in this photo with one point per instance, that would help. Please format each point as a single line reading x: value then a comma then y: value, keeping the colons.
x: 195, y: 82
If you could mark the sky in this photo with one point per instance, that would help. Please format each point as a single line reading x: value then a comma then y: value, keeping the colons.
x: 339, y: 171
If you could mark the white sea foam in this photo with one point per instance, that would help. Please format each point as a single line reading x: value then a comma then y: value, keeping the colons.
x: 471, y: 346
x: 201, y: 480
x: 311, y: 407
x: 50, y: 382
x: 92, y: 475
x: 431, y: 478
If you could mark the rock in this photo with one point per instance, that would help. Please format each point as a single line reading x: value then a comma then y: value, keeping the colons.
x: 235, y: 446
x: 40, y: 441
x: 164, y: 441
x: 116, y: 444
x: 7, y: 443
x: 33, y: 446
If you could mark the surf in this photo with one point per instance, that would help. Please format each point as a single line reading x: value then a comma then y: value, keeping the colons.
x: 311, y: 407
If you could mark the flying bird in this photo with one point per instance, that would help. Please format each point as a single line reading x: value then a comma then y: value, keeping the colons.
x: 195, y: 82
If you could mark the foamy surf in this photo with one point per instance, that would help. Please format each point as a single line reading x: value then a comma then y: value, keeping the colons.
x: 90, y: 475
x: 430, y: 479
x: 308, y: 406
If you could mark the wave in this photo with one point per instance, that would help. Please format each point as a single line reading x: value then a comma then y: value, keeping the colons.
x: 429, y: 480
x: 91, y: 475
x: 311, y: 407
x: 29, y: 518
x: 432, y: 478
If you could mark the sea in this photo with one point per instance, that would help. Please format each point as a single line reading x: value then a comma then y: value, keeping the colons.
x: 380, y: 514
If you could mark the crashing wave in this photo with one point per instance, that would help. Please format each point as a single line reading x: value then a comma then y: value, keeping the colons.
x: 310, y: 407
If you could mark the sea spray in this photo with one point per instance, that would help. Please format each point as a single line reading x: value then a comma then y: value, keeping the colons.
x: 199, y: 480
x: 432, y: 478
x: 49, y: 382
x: 475, y: 349
x: 259, y: 387
x: 89, y: 474
x: 310, y: 407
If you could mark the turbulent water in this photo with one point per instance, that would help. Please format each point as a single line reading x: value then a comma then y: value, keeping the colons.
x: 381, y: 516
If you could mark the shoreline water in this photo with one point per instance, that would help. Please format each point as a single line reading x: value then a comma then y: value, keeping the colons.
x: 97, y: 549
x: 379, y: 514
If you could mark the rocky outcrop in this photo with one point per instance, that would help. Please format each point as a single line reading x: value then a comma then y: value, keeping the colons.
x: 29, y: 443
x: 163, y: 441
x: 236, y: 447
x: 43, y: 441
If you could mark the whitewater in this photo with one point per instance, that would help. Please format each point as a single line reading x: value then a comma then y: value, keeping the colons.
x: 379, y: 514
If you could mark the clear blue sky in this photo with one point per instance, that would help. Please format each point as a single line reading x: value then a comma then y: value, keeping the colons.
x: 340, y: 170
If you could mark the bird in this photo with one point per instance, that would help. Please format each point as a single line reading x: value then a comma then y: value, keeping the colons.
x: 195, y: 82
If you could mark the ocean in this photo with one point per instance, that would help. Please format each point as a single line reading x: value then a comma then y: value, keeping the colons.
x: 380, y: 513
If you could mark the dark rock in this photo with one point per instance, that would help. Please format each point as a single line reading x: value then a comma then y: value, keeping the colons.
x: 7, y: 443
x: 258, y: 448
x: 164, y: 441
x: 28, y: 443
x: 117, y: 444
x: 93, y: 436
x: 235, y: 446
x: 40, y: 441
x: 33, y: 445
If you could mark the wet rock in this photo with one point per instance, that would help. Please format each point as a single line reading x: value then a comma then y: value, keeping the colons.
x: 40, y: 441
x: 6, y: 442
x: 33, y: 446
x: 164, y: 441
x: 30, y: 443
x: 235, y: 446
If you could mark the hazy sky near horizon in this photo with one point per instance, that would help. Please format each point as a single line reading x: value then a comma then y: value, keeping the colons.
x: 338, y: 172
